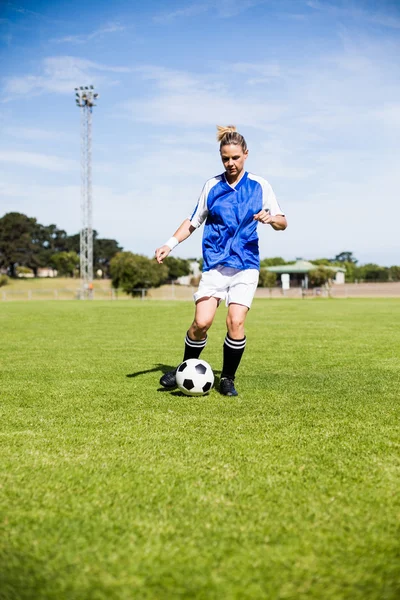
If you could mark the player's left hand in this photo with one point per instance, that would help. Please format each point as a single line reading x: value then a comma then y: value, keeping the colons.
x: 264, y: 216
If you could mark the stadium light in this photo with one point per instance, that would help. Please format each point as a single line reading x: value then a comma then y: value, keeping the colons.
x: 84, y: 99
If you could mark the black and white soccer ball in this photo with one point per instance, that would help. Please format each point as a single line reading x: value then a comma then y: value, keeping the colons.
x: 194, y: 377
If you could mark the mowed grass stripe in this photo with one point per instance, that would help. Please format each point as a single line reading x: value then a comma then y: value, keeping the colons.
x: 111, y: 488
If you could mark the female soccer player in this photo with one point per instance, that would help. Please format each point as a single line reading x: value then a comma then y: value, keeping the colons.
x: 232, y: 205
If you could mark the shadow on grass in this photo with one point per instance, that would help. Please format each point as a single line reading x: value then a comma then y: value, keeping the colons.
x: 159, y: 367
x: 175, y: 392
x: 164, y: 369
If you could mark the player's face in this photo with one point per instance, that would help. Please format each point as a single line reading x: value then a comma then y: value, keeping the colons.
x: 233, y: 159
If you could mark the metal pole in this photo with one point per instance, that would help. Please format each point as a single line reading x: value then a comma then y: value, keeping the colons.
x: 84, y: 99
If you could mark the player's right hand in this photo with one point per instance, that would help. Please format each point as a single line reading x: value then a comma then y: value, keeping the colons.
x: 162, y: 253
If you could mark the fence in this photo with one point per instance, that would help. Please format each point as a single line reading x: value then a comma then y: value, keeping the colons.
x: 167, y: 292
x: 52, y: 294
x: 183, y: 292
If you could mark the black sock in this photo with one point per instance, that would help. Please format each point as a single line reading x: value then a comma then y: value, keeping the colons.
x: 233, y: 351
x: 193, y: 348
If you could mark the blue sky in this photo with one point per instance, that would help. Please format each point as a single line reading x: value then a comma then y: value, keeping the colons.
x: 314, y: 86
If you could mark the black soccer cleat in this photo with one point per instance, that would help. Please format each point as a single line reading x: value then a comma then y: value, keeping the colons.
x: 168, y: 380
x: 227, y: 387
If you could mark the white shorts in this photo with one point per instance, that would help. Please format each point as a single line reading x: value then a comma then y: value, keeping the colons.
x: 231, y: 285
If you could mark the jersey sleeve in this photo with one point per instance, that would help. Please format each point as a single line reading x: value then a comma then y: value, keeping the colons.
x: 200, y: 213
x: 270, y: 202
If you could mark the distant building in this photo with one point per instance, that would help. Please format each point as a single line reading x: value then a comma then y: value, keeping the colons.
x: 46, y: 272
x: 298, y: 272
x: 195, y: 272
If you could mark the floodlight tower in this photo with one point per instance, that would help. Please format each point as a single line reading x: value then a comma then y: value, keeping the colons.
x: 84, y: 98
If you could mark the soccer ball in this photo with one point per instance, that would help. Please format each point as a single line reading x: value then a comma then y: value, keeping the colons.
x: 194, y: 377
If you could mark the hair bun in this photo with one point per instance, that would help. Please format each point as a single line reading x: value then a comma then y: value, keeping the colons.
x: 223, y: 130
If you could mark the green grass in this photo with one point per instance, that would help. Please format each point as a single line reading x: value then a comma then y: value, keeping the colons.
x: 113, y: 489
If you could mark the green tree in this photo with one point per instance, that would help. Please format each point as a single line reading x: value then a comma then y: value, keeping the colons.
x: 267, y: 279
x: 344, y: 257
x: 25, y: 242
x: 320, y: 277
x: 177, y: 267
x: 131, y: 272
x: 66, y: 263
x: 373, y: 272
x: 20, y: 238
x: 73, y: 243
x: 322, y: 261
x: 272, y: 262
x: 352, y: 271
x: 104, y: 250
x: 394, y: 273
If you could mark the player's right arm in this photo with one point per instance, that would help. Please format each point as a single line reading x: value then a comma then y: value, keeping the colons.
x: 181, y: 234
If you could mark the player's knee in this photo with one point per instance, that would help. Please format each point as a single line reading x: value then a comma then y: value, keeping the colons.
x: 200, y: 327
x: 234, y: 323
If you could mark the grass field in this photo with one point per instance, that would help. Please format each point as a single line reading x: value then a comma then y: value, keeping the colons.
x: 111, y: 488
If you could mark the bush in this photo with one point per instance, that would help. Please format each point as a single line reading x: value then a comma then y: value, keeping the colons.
x: 320, y: 277
x: 134, y: 272
x: 3, y: 280
x: 24, y: 272
x: 267, y: 279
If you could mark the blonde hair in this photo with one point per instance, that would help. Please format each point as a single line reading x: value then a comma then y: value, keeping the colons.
x: 228, y: 135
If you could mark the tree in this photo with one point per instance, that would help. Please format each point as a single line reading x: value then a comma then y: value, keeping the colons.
x: 132, y: 272
x: 66, y: 263
x: 50, y: 240
x: 177, y: 267
x: 353, y: 272
x: 394, y: 273
x: 344, y: 257
x: 373, y: 272
x: 272, y: 262
x: 20, y: 238
x: 103, y: 251
x: 320, y: 277
x: 25, y: 242
x: 267, y: 279
x: 322, y: 261
x: 73, y: 243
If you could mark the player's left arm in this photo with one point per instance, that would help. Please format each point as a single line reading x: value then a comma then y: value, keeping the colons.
x: 277, y: 222
x: 271, y: 213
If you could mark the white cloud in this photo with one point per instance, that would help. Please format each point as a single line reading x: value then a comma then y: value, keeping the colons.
x: 317, y: 127
x: 112, y: 27
x: 220, y: 8
x: 36, y: 134
x: 37, y: 160
x: 185, y: 99
x: 61, y: 74
x: 189, y: 11
x: 223, y: 9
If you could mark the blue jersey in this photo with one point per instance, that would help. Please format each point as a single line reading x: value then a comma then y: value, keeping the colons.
x: 230, y: 234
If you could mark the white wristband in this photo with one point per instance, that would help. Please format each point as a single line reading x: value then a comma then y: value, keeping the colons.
x: 172, y: 243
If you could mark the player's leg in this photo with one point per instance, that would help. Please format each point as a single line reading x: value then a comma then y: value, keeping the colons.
x: 203, y: 318
x: 234, y: 345
x: 196, y: 336
x: 240, y: 297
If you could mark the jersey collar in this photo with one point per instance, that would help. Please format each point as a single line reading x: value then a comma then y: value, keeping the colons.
x: 238, y: 184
